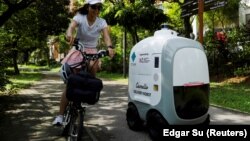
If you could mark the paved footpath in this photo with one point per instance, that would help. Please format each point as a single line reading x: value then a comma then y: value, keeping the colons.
x: 30, y: 114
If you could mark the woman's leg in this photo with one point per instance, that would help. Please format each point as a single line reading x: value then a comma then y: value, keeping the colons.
x: 63, y: 102
x: 94, y: 67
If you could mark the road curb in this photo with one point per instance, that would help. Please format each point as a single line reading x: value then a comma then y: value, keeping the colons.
x: 229, y: 109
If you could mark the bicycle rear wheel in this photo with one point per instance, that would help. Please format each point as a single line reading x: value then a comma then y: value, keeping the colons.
x: 76, y: 126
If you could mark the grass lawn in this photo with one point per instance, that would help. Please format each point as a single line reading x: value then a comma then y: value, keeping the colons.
x: 28, y: 75
x: 233, y: 93
x: 25, y: 79
x: 112, y: 76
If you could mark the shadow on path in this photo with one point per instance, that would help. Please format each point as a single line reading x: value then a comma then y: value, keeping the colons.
x: 28, y: 115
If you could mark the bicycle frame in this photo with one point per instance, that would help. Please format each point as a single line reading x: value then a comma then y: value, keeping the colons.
x: 73, y: 120
x: 74, y: 115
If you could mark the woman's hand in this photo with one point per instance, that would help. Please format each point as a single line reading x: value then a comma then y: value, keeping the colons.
x: 70, y: 40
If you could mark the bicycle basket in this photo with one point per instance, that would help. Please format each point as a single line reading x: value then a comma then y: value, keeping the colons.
x: 83, y: 88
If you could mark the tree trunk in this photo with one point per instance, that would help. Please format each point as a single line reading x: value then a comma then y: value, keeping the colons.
x: 15, y: 65
x: 13, y: 8
x: 124, y: 53
x: 15, y: 54
x: 188, y: 27
x: 5, y: 16
x: 25, y: 57
x: 136, y: 37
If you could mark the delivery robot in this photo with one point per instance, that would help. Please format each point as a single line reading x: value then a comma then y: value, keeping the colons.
x: 168, y: 83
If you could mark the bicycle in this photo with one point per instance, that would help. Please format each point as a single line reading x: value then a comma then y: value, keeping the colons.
x: 73, y: 118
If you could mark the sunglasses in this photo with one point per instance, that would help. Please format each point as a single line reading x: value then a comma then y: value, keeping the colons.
x: 96, y: 6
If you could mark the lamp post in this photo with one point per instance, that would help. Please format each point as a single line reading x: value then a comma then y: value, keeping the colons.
x: 200, y: 15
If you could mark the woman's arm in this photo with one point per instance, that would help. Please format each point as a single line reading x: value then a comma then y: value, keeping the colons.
x: 70, y: 31
x: 108, y: 42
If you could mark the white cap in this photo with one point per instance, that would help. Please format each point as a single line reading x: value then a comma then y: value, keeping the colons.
x: 94, y: 1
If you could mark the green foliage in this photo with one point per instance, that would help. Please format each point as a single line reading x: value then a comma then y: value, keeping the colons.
x: 64, y: 46
x: 9, y: 7
x: 230, y: 11
x: 238, y: 47
x: 27, y: 31
x: 137, y: 18
x: 140, y: 14
x: 52, y: 17
x: 4, y: 60
x: 223, y: 16
x: 152, y: 14
x: 114, y: 64
x: 173, y: 11
x: 243, y: 71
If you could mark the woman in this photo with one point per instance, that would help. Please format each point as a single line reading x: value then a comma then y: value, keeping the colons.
x: 89, y: 27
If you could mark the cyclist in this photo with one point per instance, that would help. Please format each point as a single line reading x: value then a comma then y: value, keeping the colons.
x: 88, y: 27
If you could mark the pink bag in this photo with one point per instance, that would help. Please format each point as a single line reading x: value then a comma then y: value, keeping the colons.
x: 74, y: 56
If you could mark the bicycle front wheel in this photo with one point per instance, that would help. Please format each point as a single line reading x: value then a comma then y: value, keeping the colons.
x: 76, y: 126
x: 66, y: 120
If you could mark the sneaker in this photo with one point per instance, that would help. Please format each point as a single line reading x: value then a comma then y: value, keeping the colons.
x: 58, y: 120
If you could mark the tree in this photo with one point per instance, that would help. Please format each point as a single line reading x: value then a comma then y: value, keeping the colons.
x: 133, y: 16
x: 4, y: 61
x: 173, y: 11
x: 176, y: 5
x: 223, y: 16
x: 9, y: 8
x: 52, y: 17
x: 34, y: 24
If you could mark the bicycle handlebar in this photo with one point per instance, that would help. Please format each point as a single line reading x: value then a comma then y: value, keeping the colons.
x: 79, y: 46
x: 87, y: 57
x: 99, y: 54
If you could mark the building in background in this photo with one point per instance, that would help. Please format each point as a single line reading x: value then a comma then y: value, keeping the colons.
x: 244, y: 13
x: 54, y: 49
